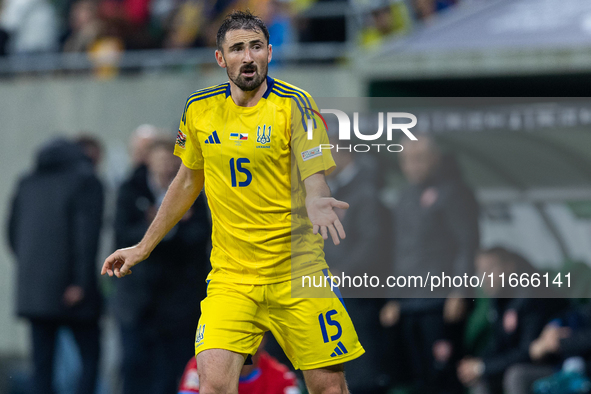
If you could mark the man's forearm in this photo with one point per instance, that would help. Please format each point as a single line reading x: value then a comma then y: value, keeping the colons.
x: 181, y: 195
x: 316, y: 186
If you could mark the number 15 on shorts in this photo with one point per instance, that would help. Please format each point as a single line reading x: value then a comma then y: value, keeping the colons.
x: 326, y: 320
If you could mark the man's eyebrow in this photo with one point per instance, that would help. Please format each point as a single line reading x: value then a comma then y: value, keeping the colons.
x: 239, y: 44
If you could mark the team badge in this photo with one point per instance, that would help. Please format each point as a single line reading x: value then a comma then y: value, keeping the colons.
x: 264, y: 137
x: 200, y: 333
x: 181, y: 139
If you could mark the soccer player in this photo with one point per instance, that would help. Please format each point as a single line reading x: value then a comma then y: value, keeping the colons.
x: 238, y: 140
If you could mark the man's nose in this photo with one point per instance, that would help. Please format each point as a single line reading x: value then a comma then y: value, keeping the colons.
x: 247, y: 56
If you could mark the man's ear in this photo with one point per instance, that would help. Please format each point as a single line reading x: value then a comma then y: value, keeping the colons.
x: 270, y: 54
x: 219, y: 57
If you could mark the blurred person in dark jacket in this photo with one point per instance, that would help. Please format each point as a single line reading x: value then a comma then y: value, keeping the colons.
x: 158, y: 308
x: 54, y: 229
x: 566, y: 337
x: 365, y: 251
x: 515, y: 322
x: 92, y: 148
x: 436, y: 231
x: 140, y: 142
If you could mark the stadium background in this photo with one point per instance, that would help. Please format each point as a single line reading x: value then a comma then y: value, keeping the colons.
x: 422, y: 48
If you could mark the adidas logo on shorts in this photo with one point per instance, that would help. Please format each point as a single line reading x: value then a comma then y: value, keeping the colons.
x: 339, y: 350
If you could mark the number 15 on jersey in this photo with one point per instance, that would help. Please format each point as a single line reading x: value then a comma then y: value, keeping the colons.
x: 236, y: 166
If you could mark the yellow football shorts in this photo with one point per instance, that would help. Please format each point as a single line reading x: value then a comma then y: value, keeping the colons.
x: 313, y: 332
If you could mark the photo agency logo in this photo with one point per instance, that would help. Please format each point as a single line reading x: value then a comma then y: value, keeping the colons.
x: 392, y: 120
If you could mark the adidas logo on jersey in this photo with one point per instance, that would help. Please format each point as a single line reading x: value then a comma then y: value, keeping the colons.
x: 213, y: 138
x: 339, y: 350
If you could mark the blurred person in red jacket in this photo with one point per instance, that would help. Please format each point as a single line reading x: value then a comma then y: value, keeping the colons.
x: 265, y: 375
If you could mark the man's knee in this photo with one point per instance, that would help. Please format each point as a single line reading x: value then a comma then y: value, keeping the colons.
x: 329, y: 380
x: 335, y: 389
x: 209, y: 386
x: 329, y: 389
x: 216, y: 384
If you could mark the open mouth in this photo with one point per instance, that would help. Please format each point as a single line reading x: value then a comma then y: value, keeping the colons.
x: 249, y: 73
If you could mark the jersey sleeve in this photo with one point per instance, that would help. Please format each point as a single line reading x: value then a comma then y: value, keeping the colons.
x: 187, y: 145
x: 309, y: 153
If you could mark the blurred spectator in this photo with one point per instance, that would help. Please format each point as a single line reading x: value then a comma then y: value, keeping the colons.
x: 31, y: 26
x: 264, y: 376
x: 107, y: 49
x: 139, y: 143
x: 515, y: 323
x: 92, y: 149
x: 157, y: 308
x: 368, y: 222
x: 187, y: 25
x: 54, y: 230
x: 436, y: 230
x: 561, y: 340
x: 195, y: 23
x: 365, y: 250
x: 387, y: 18
x: 106, y: 28
x: 425, y: 9
x: 161, y: 10
x: 279, y: 24
x: 84, y: 27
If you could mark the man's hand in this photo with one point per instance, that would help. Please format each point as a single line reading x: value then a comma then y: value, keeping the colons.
x: 548, y: 342
x: 324, y: 218
x: 73, y: 295
x: 121, y: 261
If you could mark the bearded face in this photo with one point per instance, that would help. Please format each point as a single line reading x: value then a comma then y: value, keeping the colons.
x: 249, y: 76
x: 246, y: 57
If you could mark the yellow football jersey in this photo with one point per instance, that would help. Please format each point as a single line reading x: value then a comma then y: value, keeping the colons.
x: 250, y: 156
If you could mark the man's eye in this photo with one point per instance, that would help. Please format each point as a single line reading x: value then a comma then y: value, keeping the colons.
x: 257, y: 47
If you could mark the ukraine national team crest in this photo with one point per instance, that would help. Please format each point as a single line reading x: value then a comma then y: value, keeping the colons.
x: 200, y: 333
x: 264, y: 136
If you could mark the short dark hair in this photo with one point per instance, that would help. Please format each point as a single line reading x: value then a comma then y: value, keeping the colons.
x: 237, y: 20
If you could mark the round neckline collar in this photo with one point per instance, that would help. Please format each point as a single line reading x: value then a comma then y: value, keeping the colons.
x: 239, y: 108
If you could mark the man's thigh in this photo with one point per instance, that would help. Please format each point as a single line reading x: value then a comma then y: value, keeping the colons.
x: 219, y: 370
x: 234, y: 317
x: 314, y: 332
